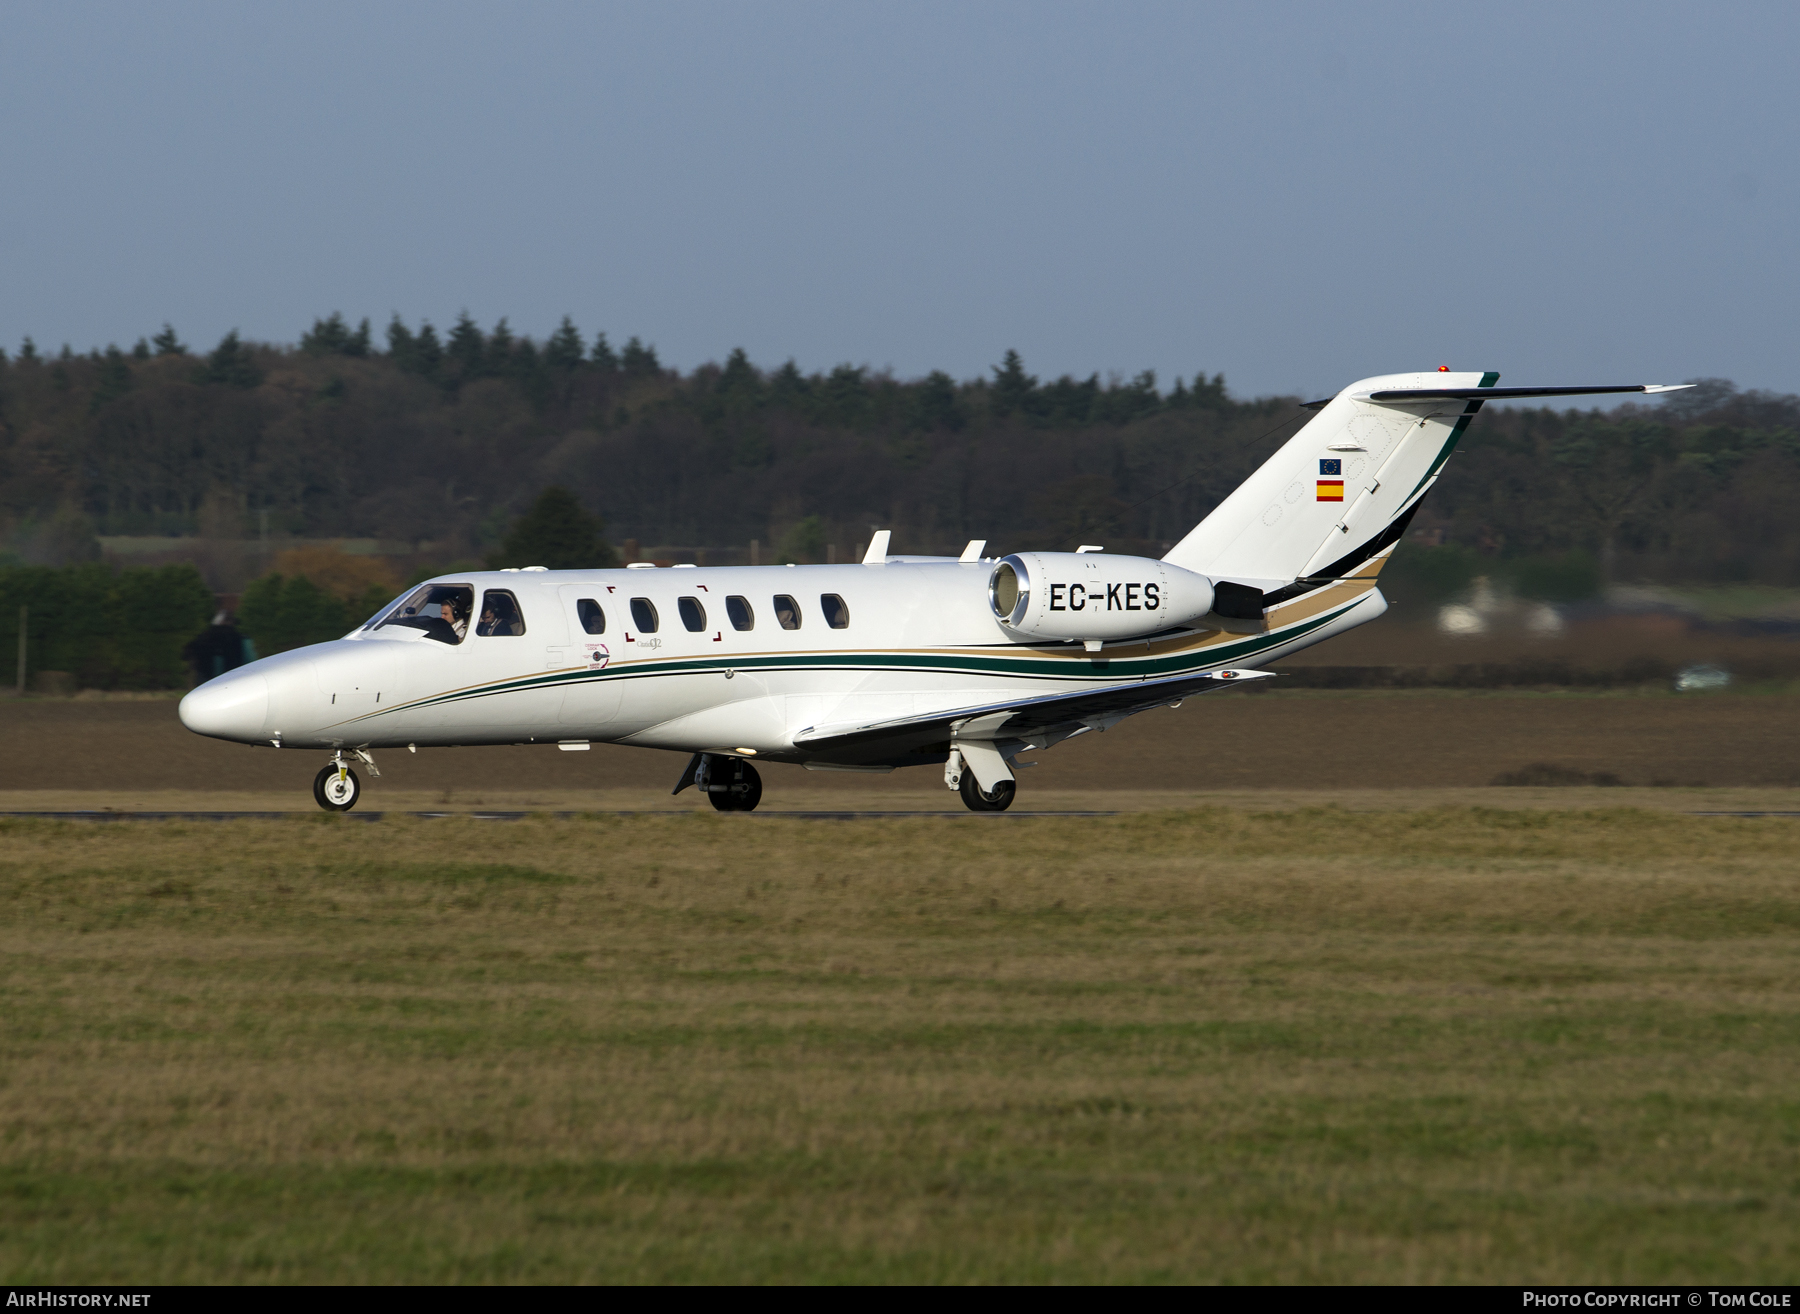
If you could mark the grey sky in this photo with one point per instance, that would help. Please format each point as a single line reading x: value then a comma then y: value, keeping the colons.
x: 1294, y: 195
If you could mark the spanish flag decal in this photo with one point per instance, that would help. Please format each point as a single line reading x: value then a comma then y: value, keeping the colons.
x: 1331, y: 490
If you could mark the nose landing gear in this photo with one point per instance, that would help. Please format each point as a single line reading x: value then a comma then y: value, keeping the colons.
x: 729, y: 783
x: 733, y: 785
x: 336, y: 787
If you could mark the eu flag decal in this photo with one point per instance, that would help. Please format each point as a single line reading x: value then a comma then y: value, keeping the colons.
x: 1334, y: 466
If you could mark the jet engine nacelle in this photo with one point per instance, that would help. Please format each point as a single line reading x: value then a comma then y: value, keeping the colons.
x: 1088, y: 595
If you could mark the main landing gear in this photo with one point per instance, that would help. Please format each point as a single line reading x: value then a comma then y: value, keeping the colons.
x: 336, y: 787
x: 729, y: 783
x: 977, y: 801
x: 961, y: 777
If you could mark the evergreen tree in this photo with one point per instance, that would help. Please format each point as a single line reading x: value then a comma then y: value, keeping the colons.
x: 1210, y: 395
x: 934, y: 403
x: 428, y: 355
x: 115, y: 379
x: 402, y: 346
x: 282, y: 613
x: 788, y: 386
x: 640, y: 361
x: 231, y: 364
x: 167, y: 344
x: 28, y: 350
x: 332, y: 337
x: 557, y: 533
x: 604, y: 356
x: 327, y: 337
x: 467, y: 348
x: 141, y: 350
x: 739, y: 377
x: 500, y: 350
x: 563, y: 351
x: 805, y: 542
x: 1013, y: 387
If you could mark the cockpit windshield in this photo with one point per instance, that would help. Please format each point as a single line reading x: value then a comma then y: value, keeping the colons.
x: 441, y: 610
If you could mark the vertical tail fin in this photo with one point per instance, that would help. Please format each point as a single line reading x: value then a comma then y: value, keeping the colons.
x: 1341, y: 490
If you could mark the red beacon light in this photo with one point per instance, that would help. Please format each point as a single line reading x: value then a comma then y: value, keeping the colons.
x: 1443, y: 369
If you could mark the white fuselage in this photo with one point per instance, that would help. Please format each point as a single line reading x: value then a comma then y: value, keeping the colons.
x: 919, y: 638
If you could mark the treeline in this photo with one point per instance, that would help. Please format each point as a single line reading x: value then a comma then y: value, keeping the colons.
x: 444, y: 439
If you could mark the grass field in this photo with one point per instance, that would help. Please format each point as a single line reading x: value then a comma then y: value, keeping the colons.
x: 1212, y: 1045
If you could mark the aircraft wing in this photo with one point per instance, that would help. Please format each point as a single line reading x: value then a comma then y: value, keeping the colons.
x: 903, y: 739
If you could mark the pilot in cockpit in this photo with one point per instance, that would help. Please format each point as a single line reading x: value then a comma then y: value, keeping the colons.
x: 456, y: 617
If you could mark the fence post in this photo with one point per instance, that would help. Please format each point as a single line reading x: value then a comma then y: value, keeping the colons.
x: 24, y: 613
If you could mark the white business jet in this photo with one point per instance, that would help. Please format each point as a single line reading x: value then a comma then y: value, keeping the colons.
x: 965, y: 662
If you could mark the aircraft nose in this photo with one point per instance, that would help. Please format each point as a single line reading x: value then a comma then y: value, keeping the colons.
x: 230, y: 707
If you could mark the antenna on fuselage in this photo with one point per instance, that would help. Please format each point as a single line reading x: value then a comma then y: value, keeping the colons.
x: 878, y: 548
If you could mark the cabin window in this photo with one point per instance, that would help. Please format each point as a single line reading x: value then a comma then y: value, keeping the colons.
x: 500, y: 614
x: 742, y: 618
x: 643, y: 612
x: 593, y: 620
x: 787, y: 612
x: 693, y: 615
x: 837, y: 611
x: 441, y: 610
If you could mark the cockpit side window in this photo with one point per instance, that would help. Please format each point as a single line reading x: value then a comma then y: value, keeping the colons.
x: 643, y: 611
x: 500, y: 615
x: 837, y: 611
x: 593, y: 620
x: 742, y: 618
x: 441, y: 610
x: 787, y: 612
x: 693, y: 615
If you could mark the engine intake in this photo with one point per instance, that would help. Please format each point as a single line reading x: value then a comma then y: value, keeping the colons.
x: 1087, y: 595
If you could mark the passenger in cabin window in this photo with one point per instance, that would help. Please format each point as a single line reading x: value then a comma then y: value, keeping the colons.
x: 499, y: 614
x: 787, y: 612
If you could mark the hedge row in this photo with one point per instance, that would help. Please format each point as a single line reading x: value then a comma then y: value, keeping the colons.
x: 111, y: 630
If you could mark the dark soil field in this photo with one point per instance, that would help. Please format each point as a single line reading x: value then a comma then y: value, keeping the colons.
x: 1293, y: 739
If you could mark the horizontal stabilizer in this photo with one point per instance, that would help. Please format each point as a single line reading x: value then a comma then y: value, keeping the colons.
x: 1500, y: 394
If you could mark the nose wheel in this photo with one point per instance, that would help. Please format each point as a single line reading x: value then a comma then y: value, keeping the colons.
x: 336, y: 788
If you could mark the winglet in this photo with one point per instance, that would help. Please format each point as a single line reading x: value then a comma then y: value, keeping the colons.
x: 878, y: 548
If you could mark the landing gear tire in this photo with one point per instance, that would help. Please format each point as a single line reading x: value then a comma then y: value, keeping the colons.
x: 742, y: 787
x: 333, y: 794
x: 976, y: 801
